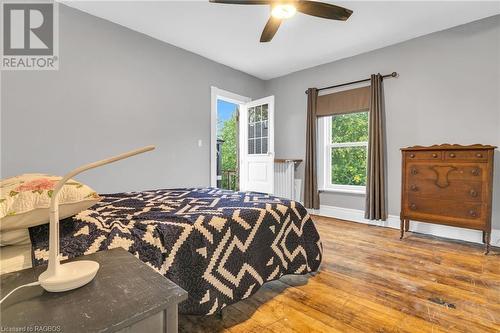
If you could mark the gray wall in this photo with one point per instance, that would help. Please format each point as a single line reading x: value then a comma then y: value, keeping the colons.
x: 116, y: 89
x: 448, y: 91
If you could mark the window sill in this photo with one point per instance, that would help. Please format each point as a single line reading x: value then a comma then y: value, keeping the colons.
x: 346, y: 191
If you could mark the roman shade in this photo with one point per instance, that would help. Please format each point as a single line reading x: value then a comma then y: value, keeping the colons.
x: 347, y: 101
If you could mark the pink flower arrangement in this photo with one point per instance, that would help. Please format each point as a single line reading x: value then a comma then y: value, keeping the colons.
x: 39, y: 184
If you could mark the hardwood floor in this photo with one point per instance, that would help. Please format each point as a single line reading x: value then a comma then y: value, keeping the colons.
x: 370, y: 281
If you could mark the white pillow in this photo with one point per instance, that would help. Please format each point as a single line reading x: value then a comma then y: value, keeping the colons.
x: 15, y: 237
x: 25, y: 199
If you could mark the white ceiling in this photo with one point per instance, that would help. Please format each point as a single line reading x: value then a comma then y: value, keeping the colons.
x: 229, y: 34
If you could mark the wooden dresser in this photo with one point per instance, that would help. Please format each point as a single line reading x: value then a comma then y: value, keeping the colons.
x: 448, y: 184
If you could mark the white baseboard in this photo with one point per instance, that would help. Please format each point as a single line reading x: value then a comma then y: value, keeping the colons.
x: 393, y: 221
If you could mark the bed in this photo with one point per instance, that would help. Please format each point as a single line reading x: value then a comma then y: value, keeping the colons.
x: 218, y: 245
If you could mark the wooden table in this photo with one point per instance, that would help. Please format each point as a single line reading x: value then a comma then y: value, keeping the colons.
x: 126, y: 295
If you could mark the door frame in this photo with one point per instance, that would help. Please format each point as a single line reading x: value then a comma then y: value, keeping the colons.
x: 216, y: 94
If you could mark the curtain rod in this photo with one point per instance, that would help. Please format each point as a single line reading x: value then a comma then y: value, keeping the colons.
x: 393, y: 74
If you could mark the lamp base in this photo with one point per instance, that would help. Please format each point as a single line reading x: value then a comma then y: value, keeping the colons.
x: 69, y: 276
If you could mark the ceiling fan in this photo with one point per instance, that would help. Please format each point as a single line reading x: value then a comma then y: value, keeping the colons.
x: 281, y: 10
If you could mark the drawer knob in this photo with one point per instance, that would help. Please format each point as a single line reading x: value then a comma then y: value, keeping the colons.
x: 479, y: 155
x: 473, y: 193
x: 475, y: 172
x: 434, y: 155
x: 413, y: 206
x: 413, y: 171
x: 412, y: 155
x: 414, y: 188
x: 452, y: 155
x: 472, y: 213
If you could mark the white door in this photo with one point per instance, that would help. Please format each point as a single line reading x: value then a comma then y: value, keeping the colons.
x: 257, y: 146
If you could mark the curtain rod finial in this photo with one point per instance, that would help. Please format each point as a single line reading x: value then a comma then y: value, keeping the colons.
x: 394, y: 74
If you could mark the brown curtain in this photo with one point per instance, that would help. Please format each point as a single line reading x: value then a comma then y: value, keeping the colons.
x: 311, y: 195
x: 375, y: 208
x: 342, y: 102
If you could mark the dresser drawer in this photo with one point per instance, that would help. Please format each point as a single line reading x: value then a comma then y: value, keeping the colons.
x: 452, y: 171
x: 468, y: 213
x: 474, y: 155
x: 424, y: 155
x: 455, y: 190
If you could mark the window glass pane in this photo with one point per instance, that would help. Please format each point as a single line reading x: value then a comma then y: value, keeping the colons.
x: 264, y: 146
x: 258, y: 129
x: 352, y: 127
x: 349, y: 166
x: 264, y: 112
x: 251, y: 146
x: 258, y: 148
x: 251, y: 130
x: 264, y: 128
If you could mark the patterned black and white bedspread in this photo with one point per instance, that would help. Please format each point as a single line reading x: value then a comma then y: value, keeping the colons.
x: 220, y: 246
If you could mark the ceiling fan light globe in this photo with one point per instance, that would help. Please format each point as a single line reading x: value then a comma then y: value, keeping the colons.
x: 283, y: 11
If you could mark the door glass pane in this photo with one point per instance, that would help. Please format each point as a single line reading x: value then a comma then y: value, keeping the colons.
x: 251, y: 130
x: 257, y: 113
x: 349, y: 165
x: 264, y: 128
x: 251, y: 115
x: 251, y: 146
x: 258, y: 146
x: 264, y: 146
x: 258, y: 129
x: 264, y: 112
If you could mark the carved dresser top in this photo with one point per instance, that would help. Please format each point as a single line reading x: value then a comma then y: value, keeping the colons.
x: 447, y: 146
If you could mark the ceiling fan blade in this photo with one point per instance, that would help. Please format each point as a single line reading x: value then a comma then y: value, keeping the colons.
x: 324, y: 10
x: 270, y: 29
x: 243, y: 2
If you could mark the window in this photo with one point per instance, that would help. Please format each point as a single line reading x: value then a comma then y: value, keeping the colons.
x: 258, y: 130
x: 345, y: 148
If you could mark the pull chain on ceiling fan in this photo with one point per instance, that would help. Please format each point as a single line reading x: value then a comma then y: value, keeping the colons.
x: 281, y: 10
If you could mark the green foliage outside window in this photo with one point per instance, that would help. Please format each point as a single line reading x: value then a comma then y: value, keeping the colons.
x: 349, y: 163
x: 228, y: 133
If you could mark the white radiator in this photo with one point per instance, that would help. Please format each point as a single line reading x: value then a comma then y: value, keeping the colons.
x: 284, y: 179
